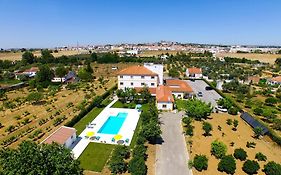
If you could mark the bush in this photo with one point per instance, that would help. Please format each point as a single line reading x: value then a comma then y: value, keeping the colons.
x: 260, y: 157
x: 272, y: 168
x: 189, y: 130
x: 218, y: 149
x: 229, y: 122
x: 207, y: 127
x: 233, y: 110
x: 251, y: 145
x: 200, y: 162
x: 240, y: 154
x: 258, y: 111
x: 137, y: 166
x: 251, y: 167
x: 235, y: 124
x: 227, y: 164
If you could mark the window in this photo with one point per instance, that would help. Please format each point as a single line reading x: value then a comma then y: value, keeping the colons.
x: 132, y: 77
x: 121, y: 83
x: 72, y: 137
x: 152, y: 77
x: 152, y: 84
x: 142, y: 84
x: 142, y: 77
x: 121, y: 76
x: 132, y: 83
x: 164, y: 106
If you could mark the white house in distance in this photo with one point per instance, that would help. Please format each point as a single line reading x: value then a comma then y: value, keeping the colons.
x: 275, y: 81
x: 164, y: 98
x: 64, y: 135
x: 138, y: 77
x: 28, y: 72
x: 194, y: 72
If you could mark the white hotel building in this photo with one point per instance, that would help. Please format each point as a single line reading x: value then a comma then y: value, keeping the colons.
x: 139, y: 76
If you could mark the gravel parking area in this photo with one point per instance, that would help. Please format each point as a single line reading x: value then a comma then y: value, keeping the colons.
x: 208, y: 95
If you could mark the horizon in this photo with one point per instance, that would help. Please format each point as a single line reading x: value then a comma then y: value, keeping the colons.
x: 50, y: 24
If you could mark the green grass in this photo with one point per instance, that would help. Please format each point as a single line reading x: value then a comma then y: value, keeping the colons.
x: 81, y: 125
x: 95, y: 156
x: 119, y: 104
x: 181, y: 104
x: 10, y: 82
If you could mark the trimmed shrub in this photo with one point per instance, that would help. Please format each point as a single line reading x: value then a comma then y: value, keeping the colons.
x: 207, y: 127
x: 218, y: 149
x: 260, y: 157
x: 272, y: 168
x: 227, y: 164
x: 251, y: 167
x: 240, y: 154
x: 200, y: 162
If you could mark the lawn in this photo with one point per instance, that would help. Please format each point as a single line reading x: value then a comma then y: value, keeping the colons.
x: 119, y: 104
x: 95, y: 156
x: 9, y: 82
x: 181, y: 104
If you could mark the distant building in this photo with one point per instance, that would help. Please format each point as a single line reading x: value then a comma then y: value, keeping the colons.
x: 70, y: 77
x: 253, y: 80
x: 164, y: 98
x: 64, y: 135
x: 132, y: 52
x: 28, y: 72
x: 275, y: 81
x: 194, y: 72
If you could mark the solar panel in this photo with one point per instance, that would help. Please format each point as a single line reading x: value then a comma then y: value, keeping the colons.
x: 253, y: 122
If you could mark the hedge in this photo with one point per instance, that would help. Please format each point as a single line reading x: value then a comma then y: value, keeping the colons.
x: 95, y: 103
x: 271, y: 133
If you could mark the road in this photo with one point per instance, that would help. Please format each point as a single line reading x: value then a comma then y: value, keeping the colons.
x: 172, y: 155
x: 208, y: 95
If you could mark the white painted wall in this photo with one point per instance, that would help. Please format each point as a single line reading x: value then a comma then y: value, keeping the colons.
x: 138, y: 81
x: 157, y: 68
x: 70, y: 141
x: 193, y: 75
x: 169, y: 106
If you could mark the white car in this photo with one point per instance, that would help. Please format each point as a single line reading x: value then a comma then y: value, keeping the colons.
x: 220, y: 108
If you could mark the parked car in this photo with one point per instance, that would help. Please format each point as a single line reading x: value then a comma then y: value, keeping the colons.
x: 208, y: 88
x: 199, y: 94
x: 221, y: 109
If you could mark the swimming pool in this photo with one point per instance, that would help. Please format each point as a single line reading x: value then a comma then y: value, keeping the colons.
x: 113, y: 124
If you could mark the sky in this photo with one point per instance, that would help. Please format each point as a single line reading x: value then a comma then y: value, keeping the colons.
x: 51, y: 23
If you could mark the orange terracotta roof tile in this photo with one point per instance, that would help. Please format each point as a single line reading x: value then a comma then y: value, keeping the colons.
x: 277, y: 79
x: 178, y: 85
x: 136, y: 70
x: 194, y: 70
x: 60, y: 135
x: 164, y: 94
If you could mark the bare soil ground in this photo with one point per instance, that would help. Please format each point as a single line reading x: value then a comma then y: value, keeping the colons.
x: 244, y: 133
x: 267, y: 58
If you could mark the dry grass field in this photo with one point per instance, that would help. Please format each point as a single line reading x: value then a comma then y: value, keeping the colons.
x: 17, y: 56
x: 267, y: 58
x: 41, y: 117
x: 244, y: 133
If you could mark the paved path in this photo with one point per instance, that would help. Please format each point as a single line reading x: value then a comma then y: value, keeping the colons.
x: 171, y: 155
x: 82, y: 143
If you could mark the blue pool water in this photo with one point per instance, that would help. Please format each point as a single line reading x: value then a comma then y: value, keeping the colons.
x: 113, y: 124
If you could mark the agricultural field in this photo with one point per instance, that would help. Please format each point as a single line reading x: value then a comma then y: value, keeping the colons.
x: 202, y: 144
x: 22, y: 120
x: 12, y: 56
x: 267, y: 58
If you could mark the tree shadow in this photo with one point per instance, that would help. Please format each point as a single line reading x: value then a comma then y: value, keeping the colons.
x: 157, y: 141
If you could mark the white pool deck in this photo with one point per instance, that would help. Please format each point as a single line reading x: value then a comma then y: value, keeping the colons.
x: 126, y: 130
